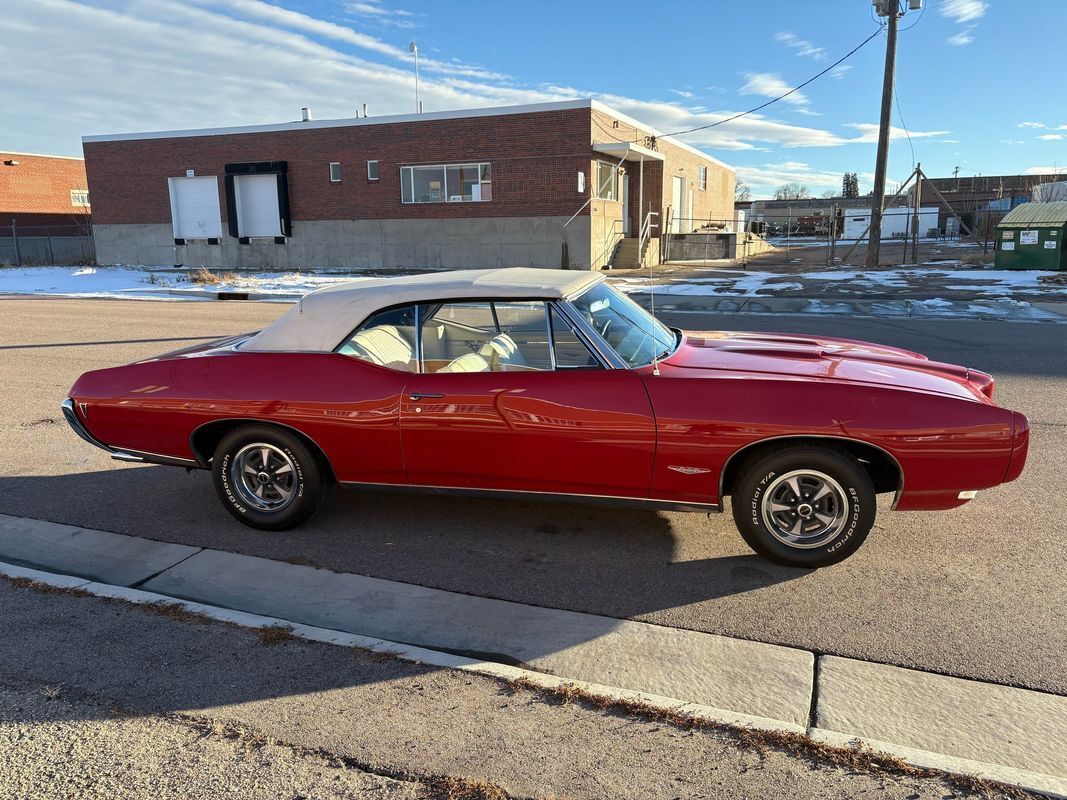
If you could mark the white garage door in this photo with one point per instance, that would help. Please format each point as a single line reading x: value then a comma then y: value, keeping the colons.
x: 257, y: 205
x: 194, y: 207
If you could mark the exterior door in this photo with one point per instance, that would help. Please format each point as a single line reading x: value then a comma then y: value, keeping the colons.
x: 677, y: 203
x: 502, y: 404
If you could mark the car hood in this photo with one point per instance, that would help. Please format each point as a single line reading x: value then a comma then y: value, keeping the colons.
x: 825, y: 358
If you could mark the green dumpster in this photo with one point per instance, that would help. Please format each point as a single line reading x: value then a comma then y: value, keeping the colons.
x: 1032, y: 236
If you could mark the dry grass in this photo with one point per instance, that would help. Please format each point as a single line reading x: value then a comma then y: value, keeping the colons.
x: 46, y: 588
x: 51, y: 691
x: 272, y: 635
x: 206, y: 277
x: 976, y: 259
x: 459, y: 789
x: 1053, y: 280
x: 858, y: 757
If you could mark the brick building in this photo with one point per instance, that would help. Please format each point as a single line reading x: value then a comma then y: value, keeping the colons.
x: 41, y: 193
x: 540, y: 185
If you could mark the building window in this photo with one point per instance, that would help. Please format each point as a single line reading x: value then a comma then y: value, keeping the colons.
x: 335, y: 172
x: 702, y: 175
x: 79, y: 197
x: 607, y: 181
x: 372, y: 170
x: 446, y: 183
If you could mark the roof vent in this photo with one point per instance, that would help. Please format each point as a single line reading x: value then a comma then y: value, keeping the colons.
x: 305, y: 114
x: 10, y: 162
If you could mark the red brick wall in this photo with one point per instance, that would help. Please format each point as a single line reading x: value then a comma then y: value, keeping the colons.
x: 40, y: 185
x: 45, y: 224
x: 535, y: 160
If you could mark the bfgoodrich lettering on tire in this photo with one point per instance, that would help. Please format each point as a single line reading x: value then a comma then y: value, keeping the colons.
x: 804, y: 506
x: 268, y: 478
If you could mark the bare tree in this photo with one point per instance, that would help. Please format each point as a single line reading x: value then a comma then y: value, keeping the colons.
x: 742, y: 192
x: 829, y: 194
x: 792, y: 191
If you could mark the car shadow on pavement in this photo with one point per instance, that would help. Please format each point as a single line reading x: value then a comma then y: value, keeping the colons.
x: 615, y: 562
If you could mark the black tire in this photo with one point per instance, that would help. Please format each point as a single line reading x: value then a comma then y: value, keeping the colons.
x: 764, y: 493
x: 295, y: 484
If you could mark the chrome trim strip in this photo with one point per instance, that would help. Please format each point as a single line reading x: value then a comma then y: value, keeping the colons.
x: 141, y: 456
x: 606, y: 499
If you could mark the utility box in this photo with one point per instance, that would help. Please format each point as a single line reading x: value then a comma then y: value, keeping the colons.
x: 1032, y: 236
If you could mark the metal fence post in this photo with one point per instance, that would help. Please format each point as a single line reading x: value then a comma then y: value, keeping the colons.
x: 15, y: 238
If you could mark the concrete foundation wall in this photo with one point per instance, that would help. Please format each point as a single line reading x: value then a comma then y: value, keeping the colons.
x: 374, y: 244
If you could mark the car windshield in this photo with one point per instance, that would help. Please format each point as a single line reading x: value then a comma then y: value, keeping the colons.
x: 632, y: 332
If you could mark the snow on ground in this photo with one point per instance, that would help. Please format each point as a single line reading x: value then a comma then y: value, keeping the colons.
x: 139, y: 283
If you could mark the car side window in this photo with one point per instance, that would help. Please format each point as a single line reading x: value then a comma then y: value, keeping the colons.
x: 487, y: 336
x: 570, y: 351
x: 387, y: 339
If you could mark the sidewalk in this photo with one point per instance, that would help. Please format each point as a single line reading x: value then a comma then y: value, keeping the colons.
x: 1007, y: 734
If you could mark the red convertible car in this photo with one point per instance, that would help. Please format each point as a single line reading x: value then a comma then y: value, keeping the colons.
x: 527, y: 382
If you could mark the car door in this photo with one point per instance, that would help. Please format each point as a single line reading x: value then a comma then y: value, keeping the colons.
x: 509, y: 398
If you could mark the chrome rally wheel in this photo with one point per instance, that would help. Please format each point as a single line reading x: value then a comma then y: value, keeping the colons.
x: 264, y: 476
x: 804, y: 509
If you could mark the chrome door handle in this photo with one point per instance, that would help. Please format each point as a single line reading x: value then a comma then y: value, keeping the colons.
x: 423, y: 395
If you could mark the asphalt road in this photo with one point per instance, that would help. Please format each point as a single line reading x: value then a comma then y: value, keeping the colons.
x: 977, y: 592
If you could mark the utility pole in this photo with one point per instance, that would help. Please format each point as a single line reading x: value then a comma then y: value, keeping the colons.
x: 917, y: 213
x: 891, y: 9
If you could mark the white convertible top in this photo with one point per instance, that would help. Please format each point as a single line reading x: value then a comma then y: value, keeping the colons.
x: 322, y: 319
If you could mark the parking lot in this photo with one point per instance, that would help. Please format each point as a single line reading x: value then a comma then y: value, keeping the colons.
x: 977, y: 592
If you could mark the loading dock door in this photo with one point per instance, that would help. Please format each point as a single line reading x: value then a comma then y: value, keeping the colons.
x: 194, y: 207
x: 257, y: 205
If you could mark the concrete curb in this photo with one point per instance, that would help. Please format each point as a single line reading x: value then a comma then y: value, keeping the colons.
x: 1048, y: 785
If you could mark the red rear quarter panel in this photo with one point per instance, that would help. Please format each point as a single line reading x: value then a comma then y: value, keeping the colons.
x: 347, y: 407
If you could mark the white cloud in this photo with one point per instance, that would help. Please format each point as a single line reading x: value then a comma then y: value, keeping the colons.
x: 683, y: 93
x: 807, y: 112
x: 1031, y: 125
x: 840, y: 71
x: 1047, y: 171
x: 964, y: 10
x: 765, y: 178
x: 949, y: 141
x: 767, y: 84
x: 869, y: 132
x: 962, y: 38
x: 151, y: 61
x: 802, y: 47
x: 1052, y: 137
x: 1012, y: 141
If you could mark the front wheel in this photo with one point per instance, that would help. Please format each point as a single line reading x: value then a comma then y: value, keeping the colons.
x: 804, y: 506
x: 267, y: 478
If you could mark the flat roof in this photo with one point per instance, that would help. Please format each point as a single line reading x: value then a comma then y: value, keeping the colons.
x: 430, y: 116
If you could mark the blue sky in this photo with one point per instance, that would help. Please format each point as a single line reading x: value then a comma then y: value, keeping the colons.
x: 977, y: 86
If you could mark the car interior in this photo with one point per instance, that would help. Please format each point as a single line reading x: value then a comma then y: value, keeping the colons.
x: 466, y: 337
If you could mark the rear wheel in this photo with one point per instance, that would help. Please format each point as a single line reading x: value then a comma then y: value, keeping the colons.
x: 804, y: 506
x: 268, y: 478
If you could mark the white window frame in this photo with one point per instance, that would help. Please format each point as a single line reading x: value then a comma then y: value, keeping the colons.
x: 614, y: 181
x: 377, y: 171
x: 79, y: 197
x: 336, y: 179
x: 407, y: 179
x: 702, y: 175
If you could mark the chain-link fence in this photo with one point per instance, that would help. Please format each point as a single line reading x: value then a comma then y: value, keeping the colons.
x: 41, y: 245
x: 825, y: 241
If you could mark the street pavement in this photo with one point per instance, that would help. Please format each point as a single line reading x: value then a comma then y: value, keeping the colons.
x: 977, y: 592
x: 101, y: 699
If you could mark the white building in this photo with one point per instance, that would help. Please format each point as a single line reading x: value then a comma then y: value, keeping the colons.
x: 896, y: 222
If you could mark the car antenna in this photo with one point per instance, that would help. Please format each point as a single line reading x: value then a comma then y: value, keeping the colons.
x: 652, y: 331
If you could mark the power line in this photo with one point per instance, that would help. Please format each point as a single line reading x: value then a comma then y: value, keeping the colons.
x: 808, y: 82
